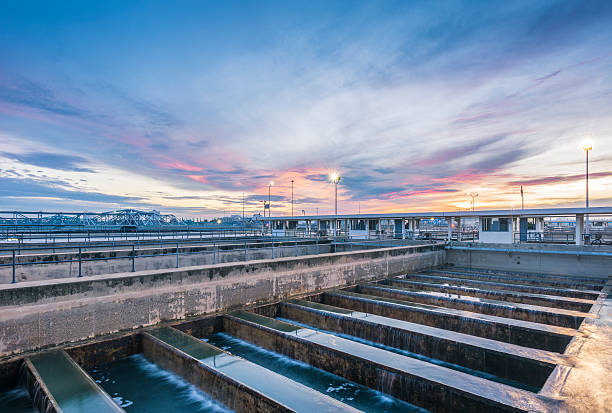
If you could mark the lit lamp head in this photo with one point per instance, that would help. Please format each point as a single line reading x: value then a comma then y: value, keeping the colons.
x: 587, y: 145
x: 271, y: 183
x: 334, y: 177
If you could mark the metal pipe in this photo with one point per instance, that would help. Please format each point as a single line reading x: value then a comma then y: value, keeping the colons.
x: 13, y: 281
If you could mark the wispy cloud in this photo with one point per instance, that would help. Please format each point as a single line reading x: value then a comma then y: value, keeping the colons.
x: 547, y: 180
x: 51, y: 160
x: 418, y: 106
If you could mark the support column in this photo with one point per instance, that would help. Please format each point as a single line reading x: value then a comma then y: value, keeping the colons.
x: 403, y: 228
x: 449, y: 235
x: 540, y: 224
x: 579, y: 229
x: 458, y: 228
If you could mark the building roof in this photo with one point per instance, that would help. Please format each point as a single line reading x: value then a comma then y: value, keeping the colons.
x: 535, y: 212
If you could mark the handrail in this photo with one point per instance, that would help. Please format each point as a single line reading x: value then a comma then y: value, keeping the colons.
x: 275, y: 244
x: 523, y: 250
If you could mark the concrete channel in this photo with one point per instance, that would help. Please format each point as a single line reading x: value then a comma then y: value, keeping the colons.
x: 396, y: 330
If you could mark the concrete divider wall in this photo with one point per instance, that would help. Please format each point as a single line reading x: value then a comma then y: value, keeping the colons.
x: 45, y: 313
x: 539, y: 259
x: 231, y: 393
x: 50, y: 266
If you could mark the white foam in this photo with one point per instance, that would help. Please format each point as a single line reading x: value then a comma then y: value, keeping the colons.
x: 184, y: 389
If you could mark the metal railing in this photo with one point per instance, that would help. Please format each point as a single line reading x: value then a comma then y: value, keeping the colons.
x: 276, y: 246
x: 51, y: 237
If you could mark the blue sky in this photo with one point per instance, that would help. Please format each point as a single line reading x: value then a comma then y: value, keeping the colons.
x: 186, y: 106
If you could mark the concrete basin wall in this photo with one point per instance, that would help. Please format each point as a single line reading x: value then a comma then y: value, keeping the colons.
x: 45, y: 313
x: 540, y: 259
x: 44, y: 266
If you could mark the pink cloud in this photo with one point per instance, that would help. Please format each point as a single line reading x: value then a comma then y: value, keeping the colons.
x: 198, y: 178
x: 174, y: 164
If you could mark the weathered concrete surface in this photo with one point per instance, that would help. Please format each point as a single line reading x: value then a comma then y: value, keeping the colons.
x: 45, y: 313
x: 457, y: 287
x: 426, y: 385
x: 536, y: 261
x: 525, y: 312
x: 524, y: 333
x: 587, y: 387
x: 44, y: 266
x: 559, y: 292
x: 231, y: 393
x: 509, y: 361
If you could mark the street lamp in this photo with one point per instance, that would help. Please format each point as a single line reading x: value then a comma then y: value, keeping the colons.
x: 473, y: 195
x: 334, y: 178
x: 269, y: 197
x: 292, y: 197
x: 587, y: 146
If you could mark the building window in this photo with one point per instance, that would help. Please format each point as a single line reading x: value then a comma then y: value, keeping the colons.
x: 495, y: 224
x: 358, y: 224
x: 531, y: 224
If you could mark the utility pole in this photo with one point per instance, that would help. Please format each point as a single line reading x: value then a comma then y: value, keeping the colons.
x: 522, y: 198
x: 270, y: 198
x: 587, y: 146
x: 473, y: 195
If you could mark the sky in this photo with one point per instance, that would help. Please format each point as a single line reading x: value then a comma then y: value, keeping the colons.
x: 189, y: 107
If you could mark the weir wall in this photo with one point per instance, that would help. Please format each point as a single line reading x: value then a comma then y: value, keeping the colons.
x: 534, y: 258
x: 46, y: 313
x: 51, y: 265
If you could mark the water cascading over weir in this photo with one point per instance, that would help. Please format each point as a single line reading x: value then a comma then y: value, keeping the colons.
x: 410, y: 327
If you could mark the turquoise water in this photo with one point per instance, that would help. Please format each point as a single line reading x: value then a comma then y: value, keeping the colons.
x: 139, y: 386
x: 353, y: 394
x: 69, y: 386
x: 289, y: 393
x: 396, y: 350
x: 16, y: 400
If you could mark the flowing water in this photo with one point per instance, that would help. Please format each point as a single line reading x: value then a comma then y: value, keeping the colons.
x: 137, y: 385
x: 353, y: 394
x: 16, y: 400
x: 289, y: 393
x: 406, y: 353
x: 69, y: 385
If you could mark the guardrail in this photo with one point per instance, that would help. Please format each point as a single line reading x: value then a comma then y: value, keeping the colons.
x: 110, y: 245
x: 553, y: 237
x: 275, y: 245
x: 96, y: 236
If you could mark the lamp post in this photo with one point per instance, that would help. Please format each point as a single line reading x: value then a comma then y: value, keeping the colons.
x: 269, y: 197
x: 473, y: 195
x: 292, y: 197
x: 587, y: 146
x: 334, y: 178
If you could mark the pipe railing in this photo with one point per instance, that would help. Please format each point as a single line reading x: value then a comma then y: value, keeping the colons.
x: 275, y: 247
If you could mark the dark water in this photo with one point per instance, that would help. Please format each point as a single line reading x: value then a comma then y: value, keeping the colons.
x: 138, y: 385
x: 456, y: 367
x: 353, y: 394
x: 16, y: 400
